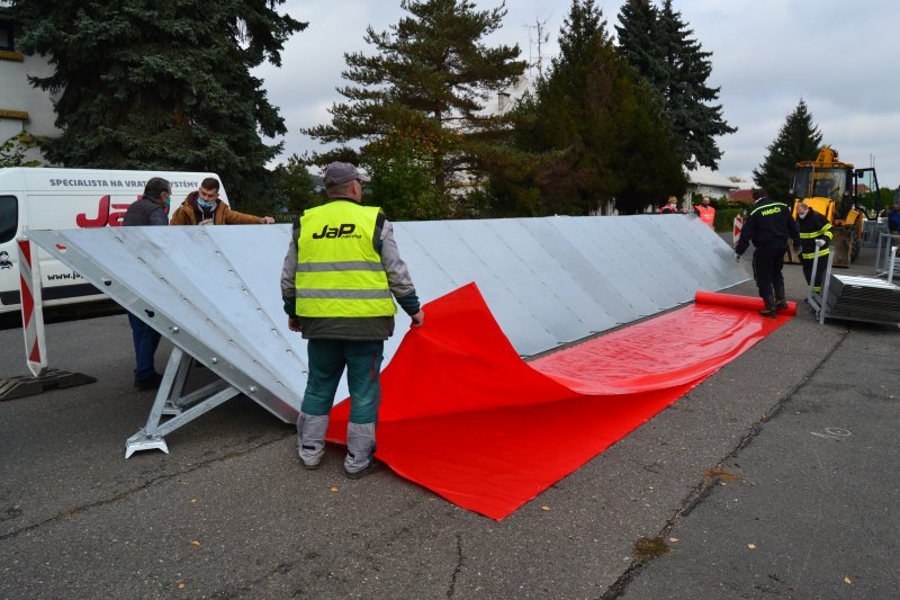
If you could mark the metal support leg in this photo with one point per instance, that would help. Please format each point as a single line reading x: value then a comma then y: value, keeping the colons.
x: 188, y: 407
x: 812, y: 278
x: 892, y: 264
x: 825, y: 285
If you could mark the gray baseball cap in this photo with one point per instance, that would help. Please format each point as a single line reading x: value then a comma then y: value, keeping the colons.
x: 341, y: 172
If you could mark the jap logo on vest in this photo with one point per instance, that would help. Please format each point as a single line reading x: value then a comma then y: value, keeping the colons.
x: 345, y: 230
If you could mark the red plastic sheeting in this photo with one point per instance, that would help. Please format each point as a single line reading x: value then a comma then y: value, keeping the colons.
x: 465, y: 417
x: 738, y: 302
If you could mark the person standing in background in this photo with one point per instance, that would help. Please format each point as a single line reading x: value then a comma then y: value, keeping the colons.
x: 706, y: 212
x: 150, y: 209
x: 204, y: 207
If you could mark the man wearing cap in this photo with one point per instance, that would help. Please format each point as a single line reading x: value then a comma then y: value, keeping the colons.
x: 340, y: 275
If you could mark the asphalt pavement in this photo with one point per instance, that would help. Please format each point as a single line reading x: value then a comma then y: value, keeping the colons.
x: 777, y: 477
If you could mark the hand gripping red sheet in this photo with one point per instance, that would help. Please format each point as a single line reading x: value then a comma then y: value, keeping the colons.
x: 465, y: 417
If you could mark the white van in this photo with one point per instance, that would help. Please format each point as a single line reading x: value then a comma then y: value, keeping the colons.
x: 38, y: 198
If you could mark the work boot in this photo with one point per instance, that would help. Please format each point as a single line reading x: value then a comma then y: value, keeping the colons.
x: 373, y: 467
x: 311, y: 431
x: 360, y: 460
x: 770, y: 310
x: 780, y: 301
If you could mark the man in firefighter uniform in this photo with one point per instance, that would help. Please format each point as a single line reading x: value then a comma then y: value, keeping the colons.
x: 340, y: 275
x: 769, y: 226
x: 706, y: 212
x: 815, y: 232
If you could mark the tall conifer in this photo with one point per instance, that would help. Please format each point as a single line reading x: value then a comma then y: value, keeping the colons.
x: 659, y: 44
x: 161, y: 84
x: 423, y: 94
x: 798, y: 139
x: 612, y: 141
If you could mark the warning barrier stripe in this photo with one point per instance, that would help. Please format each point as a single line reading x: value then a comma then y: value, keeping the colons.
x: 32, y: 323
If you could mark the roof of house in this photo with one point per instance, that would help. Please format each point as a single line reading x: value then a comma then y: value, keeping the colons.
x: 708, y: 177
x: 742, y: 195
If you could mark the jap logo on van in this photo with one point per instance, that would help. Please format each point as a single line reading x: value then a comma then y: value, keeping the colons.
x: 104, y: 216
x: 344, y: 230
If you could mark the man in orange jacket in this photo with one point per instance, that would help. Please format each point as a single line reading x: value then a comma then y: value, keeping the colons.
x: 706, y: 212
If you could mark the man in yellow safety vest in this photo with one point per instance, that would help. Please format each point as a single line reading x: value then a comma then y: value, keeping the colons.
x: 339, y: 280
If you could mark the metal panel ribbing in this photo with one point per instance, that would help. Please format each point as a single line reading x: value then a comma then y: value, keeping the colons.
x: 213, y: 291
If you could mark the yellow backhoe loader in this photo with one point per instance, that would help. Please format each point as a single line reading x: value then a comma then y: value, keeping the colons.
x: 844, y: 194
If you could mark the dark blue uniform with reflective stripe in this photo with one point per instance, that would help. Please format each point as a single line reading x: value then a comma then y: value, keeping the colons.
x: 769, y: 226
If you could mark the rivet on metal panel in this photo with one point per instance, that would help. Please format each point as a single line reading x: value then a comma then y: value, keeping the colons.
x: 174, y: 329
x: 106, y: 281
x: 214, y: 360
x: 252, y: 389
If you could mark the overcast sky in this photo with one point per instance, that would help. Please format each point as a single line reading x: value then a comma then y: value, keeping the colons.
x: 840, y: 57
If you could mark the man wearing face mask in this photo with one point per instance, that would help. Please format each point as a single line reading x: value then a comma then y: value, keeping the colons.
x: 204, y: 207
x: 815, y: 232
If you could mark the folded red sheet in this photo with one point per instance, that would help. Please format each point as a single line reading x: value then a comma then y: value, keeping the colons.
x: 464, y: 416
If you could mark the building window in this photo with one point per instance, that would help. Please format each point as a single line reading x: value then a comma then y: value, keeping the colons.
x: 7, y: 35
x: 9, y: 218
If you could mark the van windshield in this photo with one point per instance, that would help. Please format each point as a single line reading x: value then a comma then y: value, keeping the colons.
x: 9, y: 218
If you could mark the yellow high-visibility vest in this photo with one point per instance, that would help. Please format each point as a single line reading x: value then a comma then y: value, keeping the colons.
x: 339, y: 273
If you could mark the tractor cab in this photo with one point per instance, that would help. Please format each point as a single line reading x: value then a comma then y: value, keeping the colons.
x: 843, y: 194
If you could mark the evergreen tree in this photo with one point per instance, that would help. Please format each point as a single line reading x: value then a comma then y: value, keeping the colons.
x: 612, y: 141
x: 798, y: 139
x: 423, y: 93
x: 660, y: 46
x: 161, y: 84
x: 294, y: 190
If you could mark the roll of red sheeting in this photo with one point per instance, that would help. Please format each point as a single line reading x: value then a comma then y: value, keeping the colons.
x: 739, y: 302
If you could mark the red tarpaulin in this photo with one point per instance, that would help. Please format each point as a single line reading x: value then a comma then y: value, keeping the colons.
x: 463, y: 415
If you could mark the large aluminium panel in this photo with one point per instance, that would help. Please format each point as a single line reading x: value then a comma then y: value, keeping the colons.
x: 214, y: 291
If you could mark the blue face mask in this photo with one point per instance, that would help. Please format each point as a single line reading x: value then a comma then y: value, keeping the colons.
x: 206, y: 205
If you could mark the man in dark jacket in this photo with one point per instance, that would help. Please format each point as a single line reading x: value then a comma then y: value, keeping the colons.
x: 149, y: 210
x: 815, y: 232
x: 768, y: 226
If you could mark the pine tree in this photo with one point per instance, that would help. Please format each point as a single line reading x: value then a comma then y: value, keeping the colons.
x: 798, y: 139
x: 660, y: 46
x: 161, y: 84
x: 612, y: 141
x: 425, y: 89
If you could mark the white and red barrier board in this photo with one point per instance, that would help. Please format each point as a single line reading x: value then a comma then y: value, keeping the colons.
x: 32, y: 313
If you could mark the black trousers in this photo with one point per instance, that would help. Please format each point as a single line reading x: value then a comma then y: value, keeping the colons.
x: 820, y: 270
x: 768, y: 261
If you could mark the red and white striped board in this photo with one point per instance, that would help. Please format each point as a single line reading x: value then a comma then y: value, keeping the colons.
x: 32, y: 308
x: 738, y: 225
